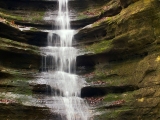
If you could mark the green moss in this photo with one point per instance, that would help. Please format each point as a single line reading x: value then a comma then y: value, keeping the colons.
x: 90, y: 12
x: 140, y: 23
x: 81, y: 16
x: 127, y: 97
x: 139, y: 8
x: 99, y: 47
x: 16, y: 83
x: 36, y: 16
x: 7, y: 44
x: 115, y: 74
x: 33, y: 29
x: 24, y: 90
x: 30, y: 16
x: 109, y: 115
x: 8, y: 15
x: 112, y: 114
x: 112, y: 97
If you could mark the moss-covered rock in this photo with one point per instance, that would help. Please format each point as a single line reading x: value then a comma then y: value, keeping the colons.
x: 18, y: 111
x: 141, y: 103
x: 131, y: 33
x: 123, y: 41
x: 19, y: 55
x: 32, y: 37
x: 124, y: 52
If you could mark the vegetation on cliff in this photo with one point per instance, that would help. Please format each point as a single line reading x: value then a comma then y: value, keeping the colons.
x: 122, y: 71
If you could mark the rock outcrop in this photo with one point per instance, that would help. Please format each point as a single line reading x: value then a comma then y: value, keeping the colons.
x: 121, y: 39
x: 124, y: 51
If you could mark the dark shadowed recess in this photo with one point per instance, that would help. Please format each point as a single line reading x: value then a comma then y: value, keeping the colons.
x: 37, y: 38
x: 20, y: 60
x: 90, y: 60
x: 27, y: 4
x: 101, y: 91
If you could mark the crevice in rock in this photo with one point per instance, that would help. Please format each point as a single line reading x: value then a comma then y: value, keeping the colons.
x: 90, y: 35
x: 90, y: 60
x: 22, y: 60
x: 101, y: 91
x: 41, y: 88
x: 45, y: 89
x: 6, y: 86
x: 27, y: 4
x: 4, y: 75
x: 125, y: 3
x: 42, y: 26
x: 110, y: 11
x: 37, y: 38
x: 150, y: 71
x: 81, y: 70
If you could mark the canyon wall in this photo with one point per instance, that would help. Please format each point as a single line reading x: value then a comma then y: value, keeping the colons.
x: 121, y: 41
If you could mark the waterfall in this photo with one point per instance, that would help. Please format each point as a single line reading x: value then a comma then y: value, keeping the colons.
x: 58, y: 66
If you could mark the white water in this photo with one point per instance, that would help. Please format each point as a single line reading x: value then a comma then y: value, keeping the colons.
x: 58, y: 68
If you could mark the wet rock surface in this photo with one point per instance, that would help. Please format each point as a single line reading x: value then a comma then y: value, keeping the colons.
x: 122, y: 69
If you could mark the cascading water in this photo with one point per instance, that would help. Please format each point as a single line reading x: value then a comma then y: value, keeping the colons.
x: 58, y: 68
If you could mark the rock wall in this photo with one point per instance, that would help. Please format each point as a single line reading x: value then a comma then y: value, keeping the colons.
x: 124, y: 51
x: 122, y: 62
x: 20, y: 60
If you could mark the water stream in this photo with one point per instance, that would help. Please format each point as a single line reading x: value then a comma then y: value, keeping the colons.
x: 59, y: 66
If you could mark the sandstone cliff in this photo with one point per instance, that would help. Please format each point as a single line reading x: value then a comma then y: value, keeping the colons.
x: 122, y: 62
